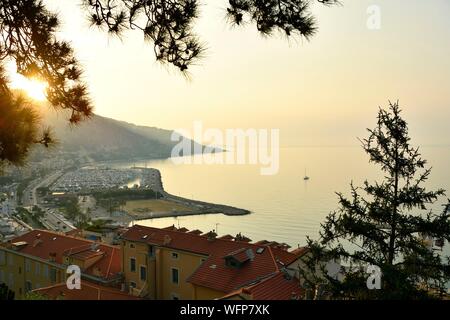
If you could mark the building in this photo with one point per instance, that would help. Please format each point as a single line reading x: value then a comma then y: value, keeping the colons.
x: 280, y: 286
x: 88, y: 291
x: 108, y: 233
x: 40, y: 259
x: 177, y: 264
x: 153, y: 263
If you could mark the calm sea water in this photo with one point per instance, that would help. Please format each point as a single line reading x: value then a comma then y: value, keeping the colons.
x: 285, y: 208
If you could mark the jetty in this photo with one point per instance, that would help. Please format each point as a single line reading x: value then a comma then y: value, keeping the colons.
x: 151, y: 178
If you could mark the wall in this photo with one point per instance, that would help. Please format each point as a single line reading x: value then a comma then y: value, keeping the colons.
x: 202, y: 293
x: 159, y: 266
x: 20, y: 269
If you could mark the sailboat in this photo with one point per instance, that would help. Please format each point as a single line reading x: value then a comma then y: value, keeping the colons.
x: 305, y: 177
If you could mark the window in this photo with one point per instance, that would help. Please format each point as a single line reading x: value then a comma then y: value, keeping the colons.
x: 10, y: 259
x: 233, y: 263
x: 174, y: 276
x: 20, y: 270
x: 2, y: 257
x: 27, y: 265
x: 37, y: 268
x: 143, y: 273
x: 175, y: 296
x: 131, y: 246
x: 28, y: 286
x: 132, y: 284
x: 132, y: 264
x: 11, y: 280
x: 53, y: 274
x: 174, y: 255
x: 151, y: 251
x: 45, y: 270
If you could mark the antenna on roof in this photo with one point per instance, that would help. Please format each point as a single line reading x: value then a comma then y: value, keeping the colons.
x: 217, y: 229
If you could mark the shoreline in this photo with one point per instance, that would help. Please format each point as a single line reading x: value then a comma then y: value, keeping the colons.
x: 198, y: 207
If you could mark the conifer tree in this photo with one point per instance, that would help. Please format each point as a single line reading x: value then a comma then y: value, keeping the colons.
x: 387, y: 224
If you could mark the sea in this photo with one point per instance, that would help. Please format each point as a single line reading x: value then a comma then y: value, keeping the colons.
x: 284, y: 207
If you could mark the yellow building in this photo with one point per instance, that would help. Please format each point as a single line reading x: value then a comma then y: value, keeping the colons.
x: 154, y: 263
x: 40, y: 259
x: 22, y: 273
x: 177, y: 264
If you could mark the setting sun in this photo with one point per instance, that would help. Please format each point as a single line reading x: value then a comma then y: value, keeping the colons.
x: 34, y: 88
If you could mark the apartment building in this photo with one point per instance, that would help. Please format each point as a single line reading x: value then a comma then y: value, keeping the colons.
x: 173, y: 263
x: 40, y: 259
x: 153, y: 263
x: 87, y: 291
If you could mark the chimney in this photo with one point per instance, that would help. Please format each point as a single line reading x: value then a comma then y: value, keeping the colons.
x: 167, y: 240
x: 240, y: 237
x: 212, y: 235
x: 246, y: 293
x: 52, y: 256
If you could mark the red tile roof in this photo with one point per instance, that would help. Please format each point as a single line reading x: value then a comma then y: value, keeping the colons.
x: 227, y: 237
x: 214, y: 273
x: 196, y: 231
x: 44, y: 243
x: 84, y: 252
x: 262, y: 242
x: 172, y: 227
x: 88, y: 291
x: 277, y: 287
x: 300, y: 251
x: 242, y: 255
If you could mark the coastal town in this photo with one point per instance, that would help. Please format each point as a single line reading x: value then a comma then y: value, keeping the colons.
x: 88, y: 217
x: 240, y: 159
x: 60, y: 200
x: 153, y: 263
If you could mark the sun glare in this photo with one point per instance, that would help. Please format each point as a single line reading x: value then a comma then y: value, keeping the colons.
x: 34, y: 88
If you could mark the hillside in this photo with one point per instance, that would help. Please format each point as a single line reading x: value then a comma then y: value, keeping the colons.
x: 102, y: 138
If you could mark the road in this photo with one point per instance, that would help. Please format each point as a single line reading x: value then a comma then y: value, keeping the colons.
x: 52, y: 219
x: 29, y: 197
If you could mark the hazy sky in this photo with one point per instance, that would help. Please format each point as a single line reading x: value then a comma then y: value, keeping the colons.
x: 322, y: 92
